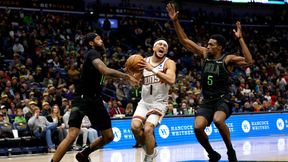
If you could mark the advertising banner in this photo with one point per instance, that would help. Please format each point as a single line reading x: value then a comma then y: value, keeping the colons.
x: 179, y: 130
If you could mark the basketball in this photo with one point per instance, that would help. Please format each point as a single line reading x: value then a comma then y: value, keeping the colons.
x: 131, y: 64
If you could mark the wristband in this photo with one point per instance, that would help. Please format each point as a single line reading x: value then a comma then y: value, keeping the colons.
x: 155, y: 71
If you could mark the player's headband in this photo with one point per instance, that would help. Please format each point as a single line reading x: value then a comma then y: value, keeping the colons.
x: 161, y: 41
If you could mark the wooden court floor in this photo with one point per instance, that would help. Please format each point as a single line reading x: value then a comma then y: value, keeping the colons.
x: 250, y: 149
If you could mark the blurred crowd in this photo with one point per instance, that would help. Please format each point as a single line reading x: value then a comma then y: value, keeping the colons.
x: 42, y: 56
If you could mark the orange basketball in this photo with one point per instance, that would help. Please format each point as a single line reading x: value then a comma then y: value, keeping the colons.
x: 131, y: 64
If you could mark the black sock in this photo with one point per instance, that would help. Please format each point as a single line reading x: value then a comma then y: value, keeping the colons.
x: 86, y: 151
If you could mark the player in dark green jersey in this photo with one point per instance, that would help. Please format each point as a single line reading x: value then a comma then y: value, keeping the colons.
x: 87, y: 100
x: 215, y: 86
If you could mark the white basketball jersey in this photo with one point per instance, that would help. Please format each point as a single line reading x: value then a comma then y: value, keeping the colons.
x: 153, y: 90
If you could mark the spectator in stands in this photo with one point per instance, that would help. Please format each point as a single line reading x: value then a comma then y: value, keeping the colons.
x: 46, y: 109
x: 5, y: 100
x: 45, y: 96
x: 41, y: 127
x: 129, y: 109
x: 267, y: 106
x: 18, y: 47
x: 185, y: 109
x: 106, y: 27
x: 9, y: 90
x: 32, y: 96
x: 256, y: 106
x: 279, y: 104
x: 73, y: 74
x: 65, y: 105
x: 70, y: 92
x: 32, y: 104
x: 5, y: 128
x: 116, y: 110
x: 247, y: 107
x: 17, y: 99
x: 4, y: 112
x: 12, y: 110
x: 55, y: 117
x: 169, y: 109
x: 53, y: 98
x: 23, y: 88
x: 20, y: 123
x: 26, y: 108
x: 92, y: 133
x: 267, y: 96
x: 19, y: 116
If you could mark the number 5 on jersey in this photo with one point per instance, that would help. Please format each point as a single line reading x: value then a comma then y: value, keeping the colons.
x: 210, y: 80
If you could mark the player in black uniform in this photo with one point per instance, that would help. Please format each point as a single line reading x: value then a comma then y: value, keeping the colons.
x: 88, y: 101
x: 215, y: 87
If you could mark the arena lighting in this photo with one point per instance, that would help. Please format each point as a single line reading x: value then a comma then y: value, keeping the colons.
x: 257, y: 1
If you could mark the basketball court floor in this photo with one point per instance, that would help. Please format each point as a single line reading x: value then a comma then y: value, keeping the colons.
x: 250, y: 149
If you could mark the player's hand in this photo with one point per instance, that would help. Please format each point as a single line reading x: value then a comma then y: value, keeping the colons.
x: 132, y: 80
x: 126, y: 70
x: 238, y: 31
x: 145, y: 65
x: 138, y: 76
x: 173, y: 14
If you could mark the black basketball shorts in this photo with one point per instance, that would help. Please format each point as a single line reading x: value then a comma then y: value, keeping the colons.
x: 208, y: 108
x: 94, y: 109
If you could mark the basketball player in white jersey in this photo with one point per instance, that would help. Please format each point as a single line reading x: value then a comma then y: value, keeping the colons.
x: 158, y: 74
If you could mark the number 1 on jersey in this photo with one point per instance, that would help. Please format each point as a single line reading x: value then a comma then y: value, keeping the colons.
x: 151, y: 88
x: 210, y: 80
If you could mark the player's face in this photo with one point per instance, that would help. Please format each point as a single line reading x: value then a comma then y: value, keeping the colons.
x: 160, y: 50
x: 98, y: 41
x: 213, y: 47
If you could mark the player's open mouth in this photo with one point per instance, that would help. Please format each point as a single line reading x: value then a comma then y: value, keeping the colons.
x: 161, y: 51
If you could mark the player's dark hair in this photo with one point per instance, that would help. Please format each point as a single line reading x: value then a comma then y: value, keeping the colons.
x: 220, y: 39
x: 89, y: 37
x: 161, y: 39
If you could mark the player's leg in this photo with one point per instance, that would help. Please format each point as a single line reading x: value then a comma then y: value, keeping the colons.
x: 202, y: 120
x: 149, y: 137
x: 137, y: 129
x: 75, y: 120
x: 222, y: 113
x: 107, y: 137
x: 137, y: 123
x: 219, y: 121
x: 99, y: 118
x: 65, y: 144
x: 154, y: 118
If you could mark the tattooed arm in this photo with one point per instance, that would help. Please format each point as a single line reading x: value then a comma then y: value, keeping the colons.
x: 112, y: 73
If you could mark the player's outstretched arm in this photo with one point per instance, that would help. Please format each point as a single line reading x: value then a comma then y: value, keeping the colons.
x: 103, y: 69
x: 185, y: 41
x: 235, y: 60
x: 246, y: 53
